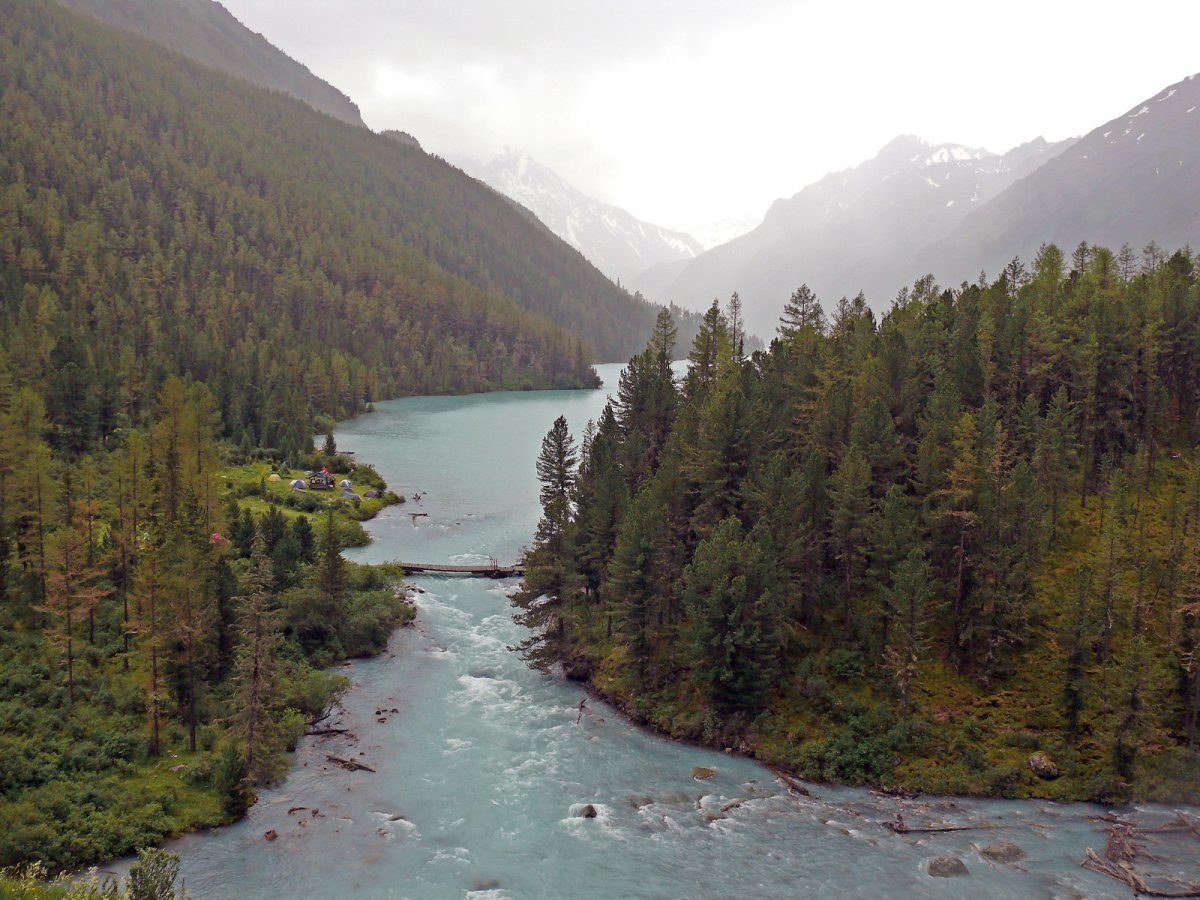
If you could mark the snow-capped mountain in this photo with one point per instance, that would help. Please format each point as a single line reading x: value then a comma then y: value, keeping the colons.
x: 618, y: 244
x: 1134, y: 179
x: 911, y: 193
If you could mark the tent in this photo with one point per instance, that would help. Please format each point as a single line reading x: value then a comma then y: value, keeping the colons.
x: 274, y: 477
x: 345, y: 483
x: 299, y: 485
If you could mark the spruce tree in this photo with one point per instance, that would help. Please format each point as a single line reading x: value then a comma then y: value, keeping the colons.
x: 550, y: 582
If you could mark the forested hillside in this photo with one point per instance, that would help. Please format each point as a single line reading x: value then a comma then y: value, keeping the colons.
x: 915, y: 551
x: 159, y: 218
x: 193, y: 272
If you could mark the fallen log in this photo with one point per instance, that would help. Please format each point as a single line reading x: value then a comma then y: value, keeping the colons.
x: 793, y: 784
x: 350, y: 765
x: 1120, y: 847
x: 1128, y: 877
x: 903, y: 828
x: 321, y: 732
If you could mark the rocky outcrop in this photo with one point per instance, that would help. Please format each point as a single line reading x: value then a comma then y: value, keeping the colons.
x: 1043, y: 766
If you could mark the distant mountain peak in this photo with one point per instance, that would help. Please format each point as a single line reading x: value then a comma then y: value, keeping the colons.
x: 617, y: 243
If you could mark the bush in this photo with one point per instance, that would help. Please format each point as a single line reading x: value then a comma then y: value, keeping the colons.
x: 863, y: 753
x: 229, y: 780
x: 153, y: 876
x: 846, y: 665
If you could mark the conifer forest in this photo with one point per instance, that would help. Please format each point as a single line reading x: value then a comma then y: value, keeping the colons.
x: 902, y: 551
x: 953, y: 548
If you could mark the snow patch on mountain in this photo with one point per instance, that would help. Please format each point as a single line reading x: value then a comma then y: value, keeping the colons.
x: 617, y: 243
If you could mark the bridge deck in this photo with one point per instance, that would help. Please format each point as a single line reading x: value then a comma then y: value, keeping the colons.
x: 485, y: 571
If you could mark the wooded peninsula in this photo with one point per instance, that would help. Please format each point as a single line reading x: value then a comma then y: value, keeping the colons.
x: 951, y: 550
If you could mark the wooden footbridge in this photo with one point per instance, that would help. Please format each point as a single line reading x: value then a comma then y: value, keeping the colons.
x: 490, y: 570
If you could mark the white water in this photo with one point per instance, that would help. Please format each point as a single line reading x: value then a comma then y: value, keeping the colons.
x: 483, y: 770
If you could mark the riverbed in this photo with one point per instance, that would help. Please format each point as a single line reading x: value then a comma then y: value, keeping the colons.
x: 484, y: 769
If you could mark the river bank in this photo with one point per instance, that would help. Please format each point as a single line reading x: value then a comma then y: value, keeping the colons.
x: 490, y: 767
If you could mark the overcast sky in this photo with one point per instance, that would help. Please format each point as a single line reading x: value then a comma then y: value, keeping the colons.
x: 687, y: 112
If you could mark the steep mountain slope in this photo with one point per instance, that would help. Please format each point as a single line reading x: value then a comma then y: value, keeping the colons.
x: 620, y: 245
x: 886, y: 208
x: 207, y: 32
x: 158, y: 217
x: 1133, y: 180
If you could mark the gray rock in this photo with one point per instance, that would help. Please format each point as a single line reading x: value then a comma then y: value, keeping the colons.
x: 1043, y: 766
x: 1003, y: 851
x: 947, y: 867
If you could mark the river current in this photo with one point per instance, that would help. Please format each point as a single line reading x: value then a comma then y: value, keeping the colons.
x: 483, y: 768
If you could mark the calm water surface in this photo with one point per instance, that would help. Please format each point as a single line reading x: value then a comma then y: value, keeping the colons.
x: 482, y: 769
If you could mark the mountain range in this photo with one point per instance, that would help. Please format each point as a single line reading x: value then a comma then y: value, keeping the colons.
x: 617, y: 243
x: 884, y: 209
x: 954, y: 210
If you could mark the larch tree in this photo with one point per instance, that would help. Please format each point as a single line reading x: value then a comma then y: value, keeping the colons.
x: 255, y: 672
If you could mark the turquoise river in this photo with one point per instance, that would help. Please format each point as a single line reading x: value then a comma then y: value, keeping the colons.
x: 483, y: 767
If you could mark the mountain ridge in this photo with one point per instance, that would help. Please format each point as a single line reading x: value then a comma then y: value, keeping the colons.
x: 205, y: 31
x: 909, y: 189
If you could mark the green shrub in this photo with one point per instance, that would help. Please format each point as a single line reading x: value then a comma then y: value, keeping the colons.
x: 846, y: 665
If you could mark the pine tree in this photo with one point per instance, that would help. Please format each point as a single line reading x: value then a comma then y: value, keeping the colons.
x: 849, y: 491
x: 911, y: 595
x: 802, y: 315
x: 255, y: 678
x: 1057, y: 453
x: 1077, y: 641
x: 955, y: 511
x: 331, y: 568
x: 73, y: 590
x: 709, y: 348
x: 734, y: 627
x: 151, y: 632
x: 556, y: 463
x: 193, y: 608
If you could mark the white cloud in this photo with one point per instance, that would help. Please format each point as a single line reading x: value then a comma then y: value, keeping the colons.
x: 696, y: 111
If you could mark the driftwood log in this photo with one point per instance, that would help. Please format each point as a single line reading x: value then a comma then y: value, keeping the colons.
x: 1121, y: 851
x: 1125, y: 874
x: 350, y: 765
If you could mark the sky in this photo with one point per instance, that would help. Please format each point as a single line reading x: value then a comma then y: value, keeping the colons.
x: 690, y: 113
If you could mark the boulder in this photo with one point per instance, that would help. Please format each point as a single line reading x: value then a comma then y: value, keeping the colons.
x: 947, y: 867
x: 270, y: 835
x: 1043, y: 766
x: 703, y: 773
x: 589, y: 812
x: 1003, y: 851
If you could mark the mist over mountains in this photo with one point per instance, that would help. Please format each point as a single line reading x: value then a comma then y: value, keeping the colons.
x: 205, y: 31
x: 885, y: 208
x: 914, y: 208
x: 616, y: 242
x: 1134, y: 179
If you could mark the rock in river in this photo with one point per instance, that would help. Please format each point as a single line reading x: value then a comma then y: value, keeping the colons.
x: 1002, y: 851
x: 947, y: 867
